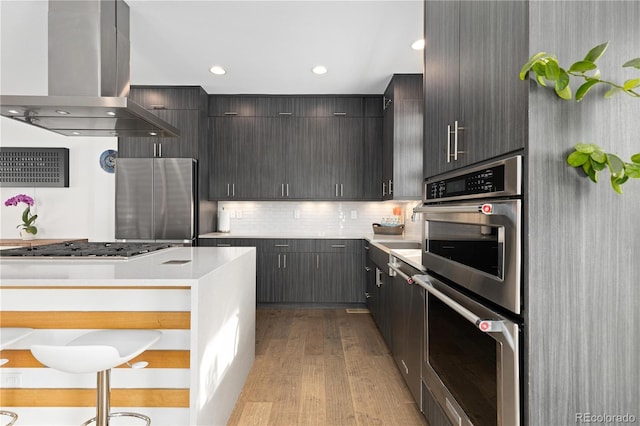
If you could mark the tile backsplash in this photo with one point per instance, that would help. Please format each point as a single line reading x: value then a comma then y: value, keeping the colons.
x: 314, y: 217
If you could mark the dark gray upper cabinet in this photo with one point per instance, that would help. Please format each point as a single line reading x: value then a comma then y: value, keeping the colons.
x: 184, y: 107
x: 372, y: 146
x: 293, y: 147
x: 262, y: 106
x: 475, y: 105
x: 339, y: 106
x: 402, y: 141
x: 236, y: 158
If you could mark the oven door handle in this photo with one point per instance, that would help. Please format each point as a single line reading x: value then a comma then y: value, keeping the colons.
x: 397, y: 270
x: 486, y: 208
x: 484, y: 325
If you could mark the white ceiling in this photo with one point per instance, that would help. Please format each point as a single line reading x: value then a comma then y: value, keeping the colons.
x: 266, y: 46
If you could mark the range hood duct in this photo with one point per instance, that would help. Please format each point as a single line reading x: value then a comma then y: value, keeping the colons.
x: 88, y: 76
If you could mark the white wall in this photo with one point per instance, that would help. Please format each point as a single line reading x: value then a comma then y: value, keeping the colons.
x: 85, y: 209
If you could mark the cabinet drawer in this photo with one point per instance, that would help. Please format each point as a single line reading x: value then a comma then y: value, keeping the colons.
x: 339, y: 106
x: 243, y: 106
x: 337, y: 246
x: 227, y: 242
x: 151, y: 97
x: 293, y: 106
x: 286, y: 245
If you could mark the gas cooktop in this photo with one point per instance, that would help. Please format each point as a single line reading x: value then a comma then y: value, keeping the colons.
x: 85, y: 250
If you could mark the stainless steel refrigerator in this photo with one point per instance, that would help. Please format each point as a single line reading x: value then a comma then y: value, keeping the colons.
x: 156, y: 199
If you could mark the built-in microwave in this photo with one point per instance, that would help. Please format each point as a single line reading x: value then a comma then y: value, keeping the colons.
x: 472, y: 228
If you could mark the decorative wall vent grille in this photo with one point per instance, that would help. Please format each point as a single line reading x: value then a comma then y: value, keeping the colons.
x: 37, y: 167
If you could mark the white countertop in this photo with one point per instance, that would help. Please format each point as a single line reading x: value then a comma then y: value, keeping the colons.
x: 145, y: 270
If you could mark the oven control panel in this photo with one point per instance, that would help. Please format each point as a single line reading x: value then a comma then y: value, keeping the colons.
x: 501, y: 178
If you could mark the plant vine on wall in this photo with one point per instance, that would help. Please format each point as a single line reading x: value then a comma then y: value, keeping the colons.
x: 590, y: 157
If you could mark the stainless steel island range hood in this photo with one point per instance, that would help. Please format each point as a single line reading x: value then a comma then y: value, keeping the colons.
x: 88, y: 76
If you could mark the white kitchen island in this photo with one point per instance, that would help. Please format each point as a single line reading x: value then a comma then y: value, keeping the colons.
x: 201, y: 298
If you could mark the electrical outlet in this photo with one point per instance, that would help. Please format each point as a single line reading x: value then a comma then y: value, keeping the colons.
x: 354, y: 214
x: 11, y: 380
x: 296, y: 214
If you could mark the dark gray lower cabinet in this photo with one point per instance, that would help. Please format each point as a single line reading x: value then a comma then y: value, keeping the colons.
x: 304, y: 270
x: 407, y: 324
x: 379, y: 301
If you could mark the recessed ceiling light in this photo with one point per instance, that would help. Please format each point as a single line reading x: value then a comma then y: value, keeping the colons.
x: 319, y: 69
x: 217, y: 70
x: 13, y: 111
x: 61, y: 112
x: 418, y: 44
x: 111, y: 113
x: 153, y: 134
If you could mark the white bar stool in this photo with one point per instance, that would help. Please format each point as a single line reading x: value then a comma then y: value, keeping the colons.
x: 99, y: 352
x: 9, y: 336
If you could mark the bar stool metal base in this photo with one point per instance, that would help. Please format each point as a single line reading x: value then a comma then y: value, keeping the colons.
x: 120, y: 414
x: 103, y: 403
x: 11, y: 414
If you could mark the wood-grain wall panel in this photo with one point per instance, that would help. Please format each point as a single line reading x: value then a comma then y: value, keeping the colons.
x: 93, y: 320
x: 583, y: 248
x: 155, y: 358
x: 54, y: 397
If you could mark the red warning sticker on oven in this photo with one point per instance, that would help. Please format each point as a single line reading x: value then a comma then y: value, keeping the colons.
x: 487, y: 208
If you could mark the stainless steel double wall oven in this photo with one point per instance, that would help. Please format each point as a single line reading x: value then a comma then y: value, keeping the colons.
x: 472, y: 250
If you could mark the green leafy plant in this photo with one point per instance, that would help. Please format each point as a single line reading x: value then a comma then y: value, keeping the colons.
x: 590, y: 157
x: 547, y: 69
x: 593, y: 159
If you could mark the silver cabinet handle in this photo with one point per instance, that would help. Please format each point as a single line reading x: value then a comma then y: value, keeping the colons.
x: 285, y: 113
x: 390, y: 186
x: 317, y: 261
x: 287, y: 190
x: 448, y: 143
x: 285, y: 261
x: 338, y: 245
x: 341, y: 190
x: 367, y: 295
x: 233, y: 189
x: 384, y: 188
x: 336, y: 189
x: 230, y: 113
x: 159, y: 150
x: 228, y: 190
x: 281, y: 245
x: 341, y: 114
x: 278, y: 260
x: 155, y: 149
x: 282, y: 189
x: 455, y: 140
x: 366, y: 247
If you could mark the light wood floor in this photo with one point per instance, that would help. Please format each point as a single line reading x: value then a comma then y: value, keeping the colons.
x: 322, y: 367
